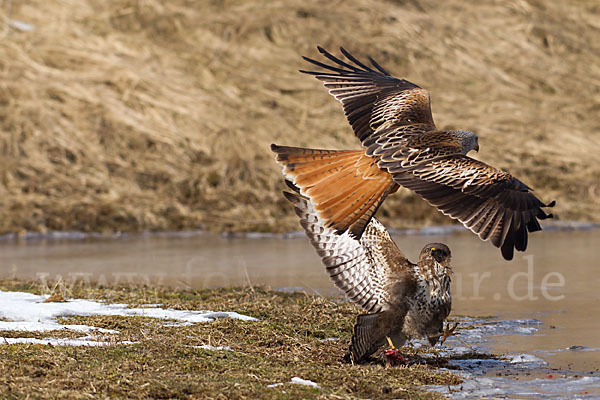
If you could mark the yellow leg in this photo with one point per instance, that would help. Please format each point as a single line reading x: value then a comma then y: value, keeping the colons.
x: 392, y: 355
x: 390, y: 343
x: 448, y: 332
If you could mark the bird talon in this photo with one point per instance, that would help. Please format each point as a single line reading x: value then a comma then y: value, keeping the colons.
x: 448, y: 331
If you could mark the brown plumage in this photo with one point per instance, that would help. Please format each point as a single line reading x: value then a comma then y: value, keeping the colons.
x: 348, y: 186
x: 392, y: 119
x: 403, y: 300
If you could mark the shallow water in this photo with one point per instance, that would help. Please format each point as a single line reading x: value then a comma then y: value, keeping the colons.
x: 556, y: 282
x: 514, y: 375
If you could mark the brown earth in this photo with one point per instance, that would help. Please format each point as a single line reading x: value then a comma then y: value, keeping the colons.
x: 127, y: 115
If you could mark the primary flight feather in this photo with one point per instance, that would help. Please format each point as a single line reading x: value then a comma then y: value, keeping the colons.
x: 402, y: 147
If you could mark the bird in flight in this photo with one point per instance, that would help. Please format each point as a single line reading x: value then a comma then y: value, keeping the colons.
x: 403, y: 148
x: 403, y: 300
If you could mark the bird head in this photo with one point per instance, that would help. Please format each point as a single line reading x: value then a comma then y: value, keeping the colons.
x: 468, y: 139
x: 437, y: 251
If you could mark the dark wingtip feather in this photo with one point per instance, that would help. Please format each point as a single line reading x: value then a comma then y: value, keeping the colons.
x: 507, y: 248
x: 533, y: 225
x: 355, y: 60
x: 336, y: 60
x: 521, y: 238
x: 379, y: 67
x: 542, y: 215
x: 309, y: 72
x: 322, y: 65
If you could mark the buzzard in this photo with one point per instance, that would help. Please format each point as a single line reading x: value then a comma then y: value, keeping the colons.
x: 402, y: 147
x: 403, y: 300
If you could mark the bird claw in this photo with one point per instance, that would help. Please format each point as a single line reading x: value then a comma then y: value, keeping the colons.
x: 448, y: 331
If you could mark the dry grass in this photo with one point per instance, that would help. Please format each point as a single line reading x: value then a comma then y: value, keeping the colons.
x: 287, y: 341
x: 128, y: 115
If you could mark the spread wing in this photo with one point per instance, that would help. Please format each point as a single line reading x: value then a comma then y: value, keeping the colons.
x: 490, y: 202
x: 371, y: 97
x: 362, y: 267
x: 392, y: 118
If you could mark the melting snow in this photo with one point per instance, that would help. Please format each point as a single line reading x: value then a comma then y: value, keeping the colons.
x: 62, y: 341
x: 329, y: 339
x: 297, y: 381
x: 28, y: 312
x: 300, y: 381
x: 213, y: 348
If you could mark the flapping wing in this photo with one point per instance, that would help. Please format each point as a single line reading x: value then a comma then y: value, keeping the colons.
x: 361, y: 268
x: 488, y: 201
x: 371, y: 97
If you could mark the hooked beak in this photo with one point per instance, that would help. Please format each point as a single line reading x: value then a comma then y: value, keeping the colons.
x: 476, y: 148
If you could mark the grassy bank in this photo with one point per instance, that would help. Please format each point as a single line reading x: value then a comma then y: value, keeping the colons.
x: 287, y: 341
x: 124, y: 115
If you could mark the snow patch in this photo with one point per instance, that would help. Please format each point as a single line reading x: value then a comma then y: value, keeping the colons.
x: 28, y: 312
x: 300, y: 381
x: 329, y: 339
x: 213, y: 348
x: 62, y: 341
x: 297, y: 381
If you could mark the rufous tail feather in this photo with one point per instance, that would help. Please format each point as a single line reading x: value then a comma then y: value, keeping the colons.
x: 345, y: 186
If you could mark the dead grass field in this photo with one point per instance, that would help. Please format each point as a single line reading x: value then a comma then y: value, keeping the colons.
x: 164, y: 362
x: 126, y: 115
